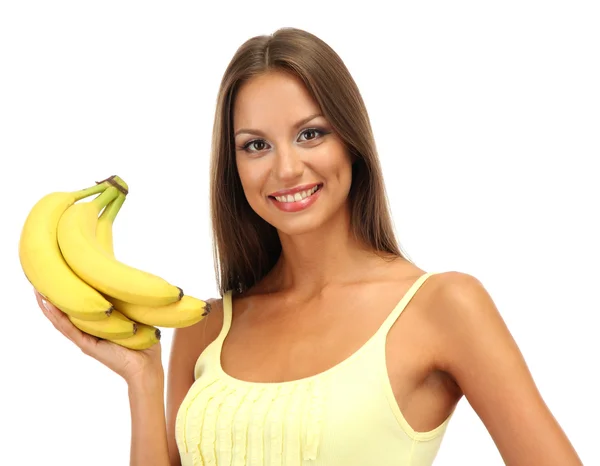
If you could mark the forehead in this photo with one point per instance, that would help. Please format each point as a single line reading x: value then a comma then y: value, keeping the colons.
x: 273, y: 98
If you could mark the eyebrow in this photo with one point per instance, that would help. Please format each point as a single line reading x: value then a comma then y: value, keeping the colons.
x: 260, y: 133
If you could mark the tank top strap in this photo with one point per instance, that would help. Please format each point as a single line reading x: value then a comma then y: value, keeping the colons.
x: 401, y: 305
x: 227, y: 318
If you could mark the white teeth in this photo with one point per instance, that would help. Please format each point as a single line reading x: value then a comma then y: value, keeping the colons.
x: 297, y: 196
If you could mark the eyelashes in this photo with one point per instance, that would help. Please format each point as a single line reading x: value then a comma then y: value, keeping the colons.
x: 320, y: 132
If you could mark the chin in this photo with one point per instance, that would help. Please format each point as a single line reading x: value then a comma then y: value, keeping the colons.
x: 302, y: 217
x: 297, y: 226
x: 301, y: 223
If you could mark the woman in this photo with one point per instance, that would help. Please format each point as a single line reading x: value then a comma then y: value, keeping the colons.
x: 305, y: 359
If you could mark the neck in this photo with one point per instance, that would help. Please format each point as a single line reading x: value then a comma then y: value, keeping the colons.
x: 314, y: 261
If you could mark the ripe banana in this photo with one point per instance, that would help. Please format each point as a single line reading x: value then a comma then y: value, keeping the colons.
x: 104, y: 227
x: 144, y: 338
x: 79, y: 246
x: 114, y: 327
x: 105, y: 220
x: 44, y: 265
x: 146, y: 335
x: 183, y: 313
x: 117, y: 328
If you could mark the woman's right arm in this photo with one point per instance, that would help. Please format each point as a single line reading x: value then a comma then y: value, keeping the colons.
x: 152, y: 426
x: 186, y: 346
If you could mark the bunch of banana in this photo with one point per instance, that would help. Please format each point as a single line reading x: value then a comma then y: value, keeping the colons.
x: 66, y: 252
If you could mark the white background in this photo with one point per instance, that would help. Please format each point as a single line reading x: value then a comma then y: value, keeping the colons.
x: 487, y: 122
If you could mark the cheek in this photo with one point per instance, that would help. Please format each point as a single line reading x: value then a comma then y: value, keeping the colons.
x: 252, y: 174
x: 334, y: 164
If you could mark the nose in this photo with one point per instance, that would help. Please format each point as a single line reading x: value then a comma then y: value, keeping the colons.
x: 288, y: 164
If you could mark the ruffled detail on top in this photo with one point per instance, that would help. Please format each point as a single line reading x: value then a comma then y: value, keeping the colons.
x: 226, y: 422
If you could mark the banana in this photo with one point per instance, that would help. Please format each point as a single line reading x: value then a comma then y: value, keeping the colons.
x: 105, y: 220
x: 183, y: 313
x: 144, y: 338
x: 44, y: 265
x: 80, y: 247
x: 104, y: 232
x: 114, y: 327
x: 146, y: 335
x: 117, y: 326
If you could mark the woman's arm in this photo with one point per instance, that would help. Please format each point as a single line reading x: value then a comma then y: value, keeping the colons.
x: 144, y: 374
x: 480, y: 353
x: 152, y: 426
x: 148, y: 428
x: 186, y: 346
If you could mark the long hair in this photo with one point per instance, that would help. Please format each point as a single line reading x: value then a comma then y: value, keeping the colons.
x: 245, y: 246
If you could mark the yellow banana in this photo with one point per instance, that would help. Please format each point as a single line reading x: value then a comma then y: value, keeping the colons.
x: 113, y: 327
x: 104, y: 232
x: 44, y: 265
x: 183, y: 313
x: 145, y: 335
x: 82, y: 251
x: 117, y: 326
x: 144, y: 338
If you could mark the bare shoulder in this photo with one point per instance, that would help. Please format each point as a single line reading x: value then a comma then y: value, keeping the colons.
x: 186, y: 346
x: 194, y: 339
x: 455, y: 296
x: 189, y: 342
x: 213, y: 322
x: 478, y: 350
x: 466, y: 319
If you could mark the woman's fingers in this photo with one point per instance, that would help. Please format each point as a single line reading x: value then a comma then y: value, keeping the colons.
x: 125, y: 362
x: 49, y: 311
x: 87, y: 343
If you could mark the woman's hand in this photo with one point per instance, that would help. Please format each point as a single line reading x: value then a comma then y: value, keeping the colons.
x: 129, y: 364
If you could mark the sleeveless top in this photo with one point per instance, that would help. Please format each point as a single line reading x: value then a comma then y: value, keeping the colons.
x: 344, y: 416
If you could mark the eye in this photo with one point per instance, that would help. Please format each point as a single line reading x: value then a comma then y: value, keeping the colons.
x: 259, y: 142
x: 314, y: 131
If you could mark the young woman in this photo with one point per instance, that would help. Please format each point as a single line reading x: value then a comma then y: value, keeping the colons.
x: 328, y: 346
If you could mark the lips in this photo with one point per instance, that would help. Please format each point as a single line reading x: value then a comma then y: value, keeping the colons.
x: 293, y: 191
x: 299, y: 200
x: 296, y: 194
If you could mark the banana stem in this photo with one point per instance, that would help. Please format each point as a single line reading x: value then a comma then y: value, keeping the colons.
x: 100, y: 187
x: 112, y: 209
x: 105, y: 198
x: 122, y: 183
x: 87, y: 192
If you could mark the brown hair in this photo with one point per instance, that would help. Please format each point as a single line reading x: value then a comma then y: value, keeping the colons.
x: 245, y: 246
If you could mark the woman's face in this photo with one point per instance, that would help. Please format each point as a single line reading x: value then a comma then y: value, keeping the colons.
x: 295, y: 171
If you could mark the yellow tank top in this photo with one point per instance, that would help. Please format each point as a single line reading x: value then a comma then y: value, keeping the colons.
x: 345, y: 416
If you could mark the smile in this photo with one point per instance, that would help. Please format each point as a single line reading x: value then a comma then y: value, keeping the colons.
x: 297, y: 201
x: 297, y: 196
